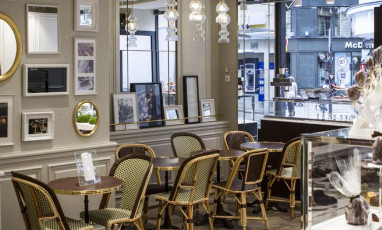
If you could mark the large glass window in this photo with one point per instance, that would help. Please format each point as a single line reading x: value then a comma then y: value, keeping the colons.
x: 154, y: 58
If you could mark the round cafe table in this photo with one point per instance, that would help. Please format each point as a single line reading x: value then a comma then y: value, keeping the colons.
x: 167, y: 164
x: 271, y: 146
x: 70, y: 186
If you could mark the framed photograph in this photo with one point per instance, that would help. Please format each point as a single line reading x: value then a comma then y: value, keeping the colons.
x: 125, y: 110
x: 174, y: 115
x: 46, y: 80
x: 207, y: 106
x: 85, y: 67
x: 87, y: 15
x: 150, y: 104
x: 38, y: 126
x: 191, y: 99
x: 6, y: 120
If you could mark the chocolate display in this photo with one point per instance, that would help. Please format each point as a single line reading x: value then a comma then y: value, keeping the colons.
x: 354, y: 93
x: 357, y: 211
x: 377, y: 153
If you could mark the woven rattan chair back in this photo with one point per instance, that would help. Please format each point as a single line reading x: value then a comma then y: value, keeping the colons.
x: 183, y: 144
x: 136, y: 149
x: 233, y: 139
x: 37, y: 201
x: 135, y: 171
x: 255, y: 162
x: 196, y: 174
x: 292, y: 157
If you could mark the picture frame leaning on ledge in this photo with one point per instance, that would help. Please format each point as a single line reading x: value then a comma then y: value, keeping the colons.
x: 125, y: 111
x: 191, y: 99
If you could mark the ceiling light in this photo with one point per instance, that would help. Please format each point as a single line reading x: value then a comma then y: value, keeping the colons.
x: 297, y: 3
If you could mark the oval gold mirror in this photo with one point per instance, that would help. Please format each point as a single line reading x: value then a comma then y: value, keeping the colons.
x: 85, y: 118
x: 10, y: 47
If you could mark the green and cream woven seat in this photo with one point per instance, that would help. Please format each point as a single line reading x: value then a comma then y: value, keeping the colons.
x: 289, y: 173
x: 254, y: 168
x: 183, y: 144
x: 40, y: 207
x: 135, y: 171
x: 192, y: 186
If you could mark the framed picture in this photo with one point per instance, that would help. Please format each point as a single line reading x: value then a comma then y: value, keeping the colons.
x: 6, y: 120
x: 38, y: 126
x: 174, y: 115
x: 150, y: 104
x: 207, y: 106
x: 125, y: 110
x: 46, y: 80
x: 85, y: 67
x: 87, y: 15
x: 191, y: 99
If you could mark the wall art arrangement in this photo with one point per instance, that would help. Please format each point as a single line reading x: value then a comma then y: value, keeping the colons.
x: 6, y: 119
x: 46, y: 79
x: 38, y: 126
x: 174, y: 115
x: 207, y: 108
x: 87, y: 16
x: 125, y: 110
x: 150, y: 104
x: 85, y: 67
x: 191, y: 99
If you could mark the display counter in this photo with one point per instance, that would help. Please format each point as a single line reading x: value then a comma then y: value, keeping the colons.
x: 323, y: 207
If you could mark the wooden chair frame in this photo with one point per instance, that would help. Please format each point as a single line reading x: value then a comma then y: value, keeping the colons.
x: 290, y: 182
x: 188, y: 215
x: 240, y: 196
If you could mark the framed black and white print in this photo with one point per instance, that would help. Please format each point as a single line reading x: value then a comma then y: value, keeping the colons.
x: 207, y: 108
x: 191, y: 99
x: 6, y: 120
x: 87, y: 15
x: 125, y: 111
x: 174, y: 115
x: 150, y: 104
x: 85, y: 67
x: 38, y: 126
x: 46, y: 80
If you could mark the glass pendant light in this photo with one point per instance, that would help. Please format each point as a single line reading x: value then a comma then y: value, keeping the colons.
x: 171, y: 15
x: 199, y: 17
x: 223, y: 19
x: 132, y: 28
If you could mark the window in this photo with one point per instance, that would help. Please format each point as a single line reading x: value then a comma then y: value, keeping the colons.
x: 154, y: 58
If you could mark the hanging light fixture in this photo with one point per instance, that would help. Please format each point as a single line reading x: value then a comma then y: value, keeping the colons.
x: 330, y: 2
x: 297, y: 3
x: 171, y: 15
x: 223, y: 19
x: 198, y: 16
x: 132, y: 28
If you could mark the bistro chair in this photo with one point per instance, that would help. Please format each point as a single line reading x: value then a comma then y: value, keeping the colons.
x: 40, y: 207
x: 192, y: 186
x: 233, y: 140
x: 255, y: 162
x: 141, y: 149
x: 135, y: 171
x: 183, y: 144
x: 289, y: 172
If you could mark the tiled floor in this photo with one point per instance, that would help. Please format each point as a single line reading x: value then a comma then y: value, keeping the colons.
x: 277, y: 220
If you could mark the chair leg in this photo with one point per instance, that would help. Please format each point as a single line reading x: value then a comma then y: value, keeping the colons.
x: 197, y: 212
x: 159, y: 217
x: 292, y: 198
x: 145, y: 208
x: 210, y: 219
x: 269, y: 192
x: 214, y: 207
x: 243, y: 210
x: 141, y: 224
x: 112, y: 227
x: 190, y: 213
x: 265, y: 217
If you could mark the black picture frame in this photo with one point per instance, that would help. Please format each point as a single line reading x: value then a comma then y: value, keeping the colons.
x: 191, y: 98
x: 150, y: 107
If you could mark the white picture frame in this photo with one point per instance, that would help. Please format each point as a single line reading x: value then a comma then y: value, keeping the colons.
x: 44, y: 68
x: 6, y: 119
x: 85, y: 66
x: 207, y: 108
x: 86, y: 15
x: 125, y: 111
x: 38, y: 126
x: 174, y: 115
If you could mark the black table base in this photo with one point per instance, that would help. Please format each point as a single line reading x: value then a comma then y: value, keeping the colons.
x: 167, y: 223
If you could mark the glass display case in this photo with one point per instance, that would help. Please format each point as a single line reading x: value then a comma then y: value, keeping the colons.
x: 336, y: 110
x: 323, y: 207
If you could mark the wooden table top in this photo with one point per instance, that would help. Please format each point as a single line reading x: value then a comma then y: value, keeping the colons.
x: 228, y: 154
x: 167, y: 163
x: 70, y: 186
x: 271, y: 146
